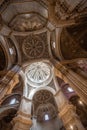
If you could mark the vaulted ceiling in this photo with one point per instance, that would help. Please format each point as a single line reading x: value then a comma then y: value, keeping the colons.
x: 35, y: 30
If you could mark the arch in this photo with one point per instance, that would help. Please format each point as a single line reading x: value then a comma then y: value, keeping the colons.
x: 57, y: 50
x: 44, y: 100
x: 8, y: 99
x: 46, y: 112
x: 41, y: 88
x: 6, y: 111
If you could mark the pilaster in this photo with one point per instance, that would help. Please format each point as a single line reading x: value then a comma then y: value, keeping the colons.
x: 23, y: 120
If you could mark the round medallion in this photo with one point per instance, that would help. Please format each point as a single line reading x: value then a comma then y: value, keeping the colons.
x: 42, y: 96
x: 38, y: 73
x: 33, y: 46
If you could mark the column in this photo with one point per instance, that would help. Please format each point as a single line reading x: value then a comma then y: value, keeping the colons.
x: 23, y: 119
x: 67, y: 112
x: 78, y: 83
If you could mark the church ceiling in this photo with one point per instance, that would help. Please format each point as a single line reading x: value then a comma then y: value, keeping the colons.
x: 43, y: 101
x: 67, y: 9
x: 29, y: 27
x: 38, y: 74
x: 33, y: 46
x: 33, y: 25
x: 13, y: 12
x: 27, y: 22
x: 74, y: 40
x: 42, y: 96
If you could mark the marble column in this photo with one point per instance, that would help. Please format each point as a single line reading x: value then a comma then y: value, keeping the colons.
x: 23, y: 120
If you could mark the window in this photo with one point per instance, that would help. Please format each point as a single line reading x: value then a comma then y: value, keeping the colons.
x: 46, y: 117
x: 11, y: 51
x: 70, y: 89
x: 13, y: 101
x: 54, y: 44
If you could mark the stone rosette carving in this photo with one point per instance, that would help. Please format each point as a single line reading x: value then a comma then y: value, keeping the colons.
x: 33, y: 46
x: 42, y: 96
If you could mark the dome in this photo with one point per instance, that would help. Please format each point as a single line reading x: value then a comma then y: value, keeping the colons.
x: 38, y: 74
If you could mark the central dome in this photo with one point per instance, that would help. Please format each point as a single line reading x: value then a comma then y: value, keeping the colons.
x: 38, y: 73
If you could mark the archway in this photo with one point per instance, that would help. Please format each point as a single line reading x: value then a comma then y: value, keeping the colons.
x: 45, y: 112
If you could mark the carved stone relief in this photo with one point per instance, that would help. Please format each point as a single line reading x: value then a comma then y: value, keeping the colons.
x: 33, y: 46
x: 42, y: 96
x: 27, y: 22
x: 38, y: 74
